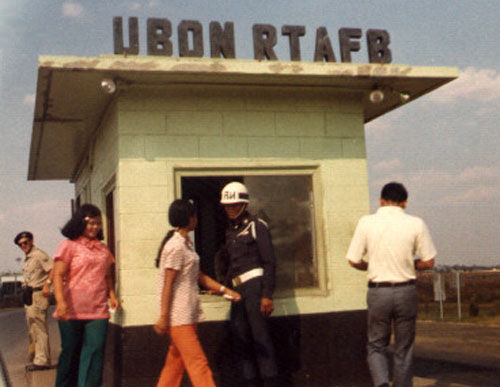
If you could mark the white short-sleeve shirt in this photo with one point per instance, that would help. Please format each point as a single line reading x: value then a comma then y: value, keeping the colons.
x: 391, y: 239
x: 179, y: 254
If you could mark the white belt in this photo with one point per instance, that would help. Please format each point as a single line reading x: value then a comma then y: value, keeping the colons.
x: 248, y: 276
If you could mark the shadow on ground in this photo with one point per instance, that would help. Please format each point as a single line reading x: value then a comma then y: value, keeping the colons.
x: 448, y: 373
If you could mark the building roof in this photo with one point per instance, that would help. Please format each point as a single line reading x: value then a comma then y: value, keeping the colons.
x: 70, y: 102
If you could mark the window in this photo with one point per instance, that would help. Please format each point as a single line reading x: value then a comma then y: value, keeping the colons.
x: 285, y: 200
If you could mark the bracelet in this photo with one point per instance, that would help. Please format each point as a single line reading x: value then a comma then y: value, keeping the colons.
x: 222, y: 288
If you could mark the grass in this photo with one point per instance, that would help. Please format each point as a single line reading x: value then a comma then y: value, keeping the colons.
x: 488, y: 313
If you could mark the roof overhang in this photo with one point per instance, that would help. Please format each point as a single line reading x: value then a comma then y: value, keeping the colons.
x: 70, y: 102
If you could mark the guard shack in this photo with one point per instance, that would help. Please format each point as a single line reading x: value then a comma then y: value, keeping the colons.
x: 134, y: 133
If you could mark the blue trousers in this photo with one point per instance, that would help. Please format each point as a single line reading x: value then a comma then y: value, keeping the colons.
x: 387, y: 307
x: 252, y: 341
x: 82, y: 353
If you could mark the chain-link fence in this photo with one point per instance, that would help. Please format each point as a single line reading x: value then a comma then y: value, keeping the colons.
x: 459, y: 295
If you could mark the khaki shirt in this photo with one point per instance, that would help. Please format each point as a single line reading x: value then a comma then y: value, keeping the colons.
x: 37, y: 266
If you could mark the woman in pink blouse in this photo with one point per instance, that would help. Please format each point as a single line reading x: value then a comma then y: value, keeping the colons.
x: 82, y: 287
x: 179, y: 302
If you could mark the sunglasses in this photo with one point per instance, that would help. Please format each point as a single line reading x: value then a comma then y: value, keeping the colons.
x: 24, y: 243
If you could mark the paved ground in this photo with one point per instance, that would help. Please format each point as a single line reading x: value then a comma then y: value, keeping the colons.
x: 447, y: 354
x: 14, y: 348
x: 450, y: 354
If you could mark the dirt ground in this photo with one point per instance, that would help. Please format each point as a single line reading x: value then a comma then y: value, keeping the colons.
x: 457, y: 354
x: 446, y: 354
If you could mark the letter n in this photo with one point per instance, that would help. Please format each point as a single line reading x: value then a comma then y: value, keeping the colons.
x: 222, y: 40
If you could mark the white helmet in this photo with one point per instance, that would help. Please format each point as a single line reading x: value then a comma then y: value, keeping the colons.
x: 234, y: 192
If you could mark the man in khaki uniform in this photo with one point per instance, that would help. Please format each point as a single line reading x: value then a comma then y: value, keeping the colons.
x: 37, y: 270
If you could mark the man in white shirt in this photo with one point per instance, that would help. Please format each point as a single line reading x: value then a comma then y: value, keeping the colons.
x: 391, y: 239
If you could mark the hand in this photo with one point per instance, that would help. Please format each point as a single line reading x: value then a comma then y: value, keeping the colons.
x: 62, y: 311
x: 46, y: 290
x: 236, y: 297
x: 266, y: 306
x: 114, y: 304
x: 161, y: 326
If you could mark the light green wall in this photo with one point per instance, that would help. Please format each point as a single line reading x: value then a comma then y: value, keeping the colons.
x: 255, y: 122
x: 98, y: 169
x: 213, y: 127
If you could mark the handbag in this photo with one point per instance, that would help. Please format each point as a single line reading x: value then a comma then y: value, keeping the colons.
x: 28, y: 295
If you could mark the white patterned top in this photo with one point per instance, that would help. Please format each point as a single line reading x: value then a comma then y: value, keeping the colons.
x: 179, y: 254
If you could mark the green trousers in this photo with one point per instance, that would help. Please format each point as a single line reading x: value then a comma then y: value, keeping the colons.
x: 82, y: 353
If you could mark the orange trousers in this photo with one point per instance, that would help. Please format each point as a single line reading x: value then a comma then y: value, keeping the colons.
x: 185, y: 352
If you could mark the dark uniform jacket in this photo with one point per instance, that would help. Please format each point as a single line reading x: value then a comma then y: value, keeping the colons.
x: 248, y: 246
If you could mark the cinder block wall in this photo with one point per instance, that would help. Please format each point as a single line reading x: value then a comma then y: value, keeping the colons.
x: 99, y: 167
x: 226, y: 126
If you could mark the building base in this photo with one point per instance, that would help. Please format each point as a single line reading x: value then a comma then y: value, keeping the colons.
x: 312, y: 350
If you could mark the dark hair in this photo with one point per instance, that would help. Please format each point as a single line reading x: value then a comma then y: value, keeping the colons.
x: 75, y: 227
x: 23, y: 234
x: 179, y: 213
x: 394, y: 192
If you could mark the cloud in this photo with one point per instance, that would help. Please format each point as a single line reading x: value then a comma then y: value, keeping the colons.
x: 29, y: 99
x: 482, y: 85
x: 72, y: 9
x: 478, y: 194
x: 384, y: 124
x: 380, y: 124
x: 488, y: 173
x: 386, y: 166
x: 45, y: 207
x: 476, y: 185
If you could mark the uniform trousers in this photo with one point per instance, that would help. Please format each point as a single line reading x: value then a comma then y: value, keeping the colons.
x: 252, y: 341
x: 82, y: 353
x: 185, y: 352
x: 388, y: 306
x: 36, y: 317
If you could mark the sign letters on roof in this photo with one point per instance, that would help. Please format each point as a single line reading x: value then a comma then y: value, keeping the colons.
x: 265, y: 38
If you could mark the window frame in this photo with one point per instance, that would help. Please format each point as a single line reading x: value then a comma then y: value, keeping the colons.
x: 281, y: 168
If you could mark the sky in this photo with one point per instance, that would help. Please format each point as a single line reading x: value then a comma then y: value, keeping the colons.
x: 444, y: 147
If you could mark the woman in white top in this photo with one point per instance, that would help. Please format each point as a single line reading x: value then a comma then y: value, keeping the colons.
x: 180, y: 306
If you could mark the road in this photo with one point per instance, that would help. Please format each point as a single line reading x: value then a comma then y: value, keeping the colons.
x: 14, y: 347
x: 451, y: 354
x: 446, y: 354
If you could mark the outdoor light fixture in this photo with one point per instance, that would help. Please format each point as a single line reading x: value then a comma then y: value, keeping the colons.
x: 404, y: 97
x: 108, y: 85
x: 376, y: 96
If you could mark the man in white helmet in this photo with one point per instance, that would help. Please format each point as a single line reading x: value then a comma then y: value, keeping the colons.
x: 248, y: 265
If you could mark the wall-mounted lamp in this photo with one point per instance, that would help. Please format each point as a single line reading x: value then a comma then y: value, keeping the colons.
x: 376, y: 96
x: 108, y: 85
x: 404, y: 97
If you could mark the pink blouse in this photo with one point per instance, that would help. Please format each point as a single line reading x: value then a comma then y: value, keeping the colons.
x: 85, y: 289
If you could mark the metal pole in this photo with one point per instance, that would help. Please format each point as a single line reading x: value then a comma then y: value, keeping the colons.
x: 441, y: 314
x: 459, y: 305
